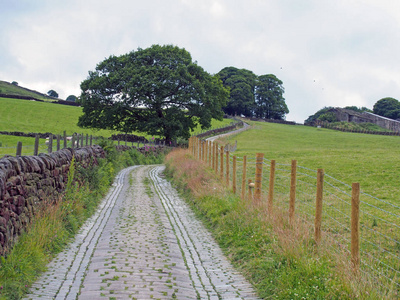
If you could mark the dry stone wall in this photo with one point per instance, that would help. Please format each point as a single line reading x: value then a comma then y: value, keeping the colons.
x: 27, y: 182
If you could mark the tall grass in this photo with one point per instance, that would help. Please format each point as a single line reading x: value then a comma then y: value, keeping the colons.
x: 279, y: 258
x: 54, y: 225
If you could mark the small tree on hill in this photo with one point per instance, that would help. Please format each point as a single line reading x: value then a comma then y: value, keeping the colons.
x: 388, y: 107
x: 71, y: 98
x: 52, y: 93
x: 241, y: 84
x: 270, y: 103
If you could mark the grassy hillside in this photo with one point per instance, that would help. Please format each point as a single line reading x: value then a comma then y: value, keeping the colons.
x: 32, y: 116
x: 10, y: 89
x: 371, y: 160
x: 346, y: 158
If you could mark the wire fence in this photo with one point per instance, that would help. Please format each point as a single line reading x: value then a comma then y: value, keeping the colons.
x: 377, y: 252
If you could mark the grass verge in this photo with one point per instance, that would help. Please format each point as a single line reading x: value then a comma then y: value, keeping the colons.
x: 55, y: 225
x: 280, y: 259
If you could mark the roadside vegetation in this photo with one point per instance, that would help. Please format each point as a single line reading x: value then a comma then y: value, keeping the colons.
x: 55, y: 224
x: 280, y: 259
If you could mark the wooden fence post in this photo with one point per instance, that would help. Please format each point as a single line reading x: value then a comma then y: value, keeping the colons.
x: 65, y: 139
x: 206, y: 158
x: 258, y: 179
x: 318, y: 206
x: 87, y: 139
x: 91, y: 140
x: 50, y: 148
x: 58, y: 142
x: 271, y: 187
x: 234, y: 174
x: 216, y: 154
x: 203, y: 150
x: 244, y: 177
x: 36, y: 149
x: 77, y: 138
x: 197, y: 147
x: 213, y: 156
x: 73, y: 141
x: 355, y: 227
x: 209, y: 153
x: 221, y: 171
x: 292, y: 190
x: 227, y: 168
x: 19, y: 149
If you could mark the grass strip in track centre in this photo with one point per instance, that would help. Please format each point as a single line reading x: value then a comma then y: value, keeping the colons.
x: 280, y: 260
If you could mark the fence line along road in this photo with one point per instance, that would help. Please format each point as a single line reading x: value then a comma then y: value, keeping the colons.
x: 361, y: 227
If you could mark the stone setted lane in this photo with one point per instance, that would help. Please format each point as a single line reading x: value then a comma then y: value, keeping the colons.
x: 143, y: 243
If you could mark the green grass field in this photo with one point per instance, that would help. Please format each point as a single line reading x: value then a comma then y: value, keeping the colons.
x: 371, y: 160
x: 32, y: 116
x: 10, y: 89
x: 346, y: 158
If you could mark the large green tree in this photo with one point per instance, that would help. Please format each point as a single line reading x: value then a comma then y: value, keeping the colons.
x: 158, y: 91
x: 387, y: 107
x: 241, y: 83
x: 270, y: 103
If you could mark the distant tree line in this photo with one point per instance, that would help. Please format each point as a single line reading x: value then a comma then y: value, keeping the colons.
x: 252, y: 95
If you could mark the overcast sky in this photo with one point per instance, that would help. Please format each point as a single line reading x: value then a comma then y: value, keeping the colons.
x: 327, y: 53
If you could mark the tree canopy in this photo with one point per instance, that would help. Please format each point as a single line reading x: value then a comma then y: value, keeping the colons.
x: 270, y: 103
x: 158, y: 91
x: 322, y: 115
x: 241, y: 83
x: 71, y: 98
x: 252, y: 95
x: 52, y: 93
x: 387, y: 107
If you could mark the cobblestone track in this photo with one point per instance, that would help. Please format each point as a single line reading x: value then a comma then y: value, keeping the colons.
x: 65, y: 272
x: 212, y: 275
x: 144, y: 243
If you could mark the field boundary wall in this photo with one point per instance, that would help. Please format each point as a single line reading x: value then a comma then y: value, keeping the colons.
x: 29, y: 182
